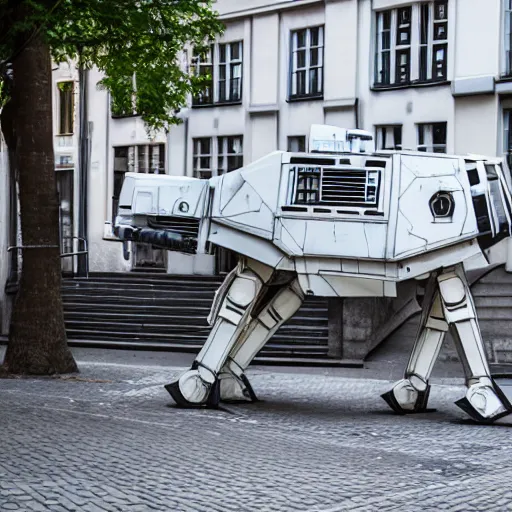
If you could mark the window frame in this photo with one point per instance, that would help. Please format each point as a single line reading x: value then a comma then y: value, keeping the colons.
x: 421, y: 46
x: 300, y: 139
x: 507, y: 39
x: 422, y: 146
x: 218, y: 152
x: 229, y: 64
x: 198, y: 156
x: 507, y: 136
x: 66, y: 100
x: 381, y: 135
x: 294, y: 69
x: 199, y: 62
x: 214, y: 63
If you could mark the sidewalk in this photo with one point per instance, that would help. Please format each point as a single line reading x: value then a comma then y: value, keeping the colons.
x: 321, y: 440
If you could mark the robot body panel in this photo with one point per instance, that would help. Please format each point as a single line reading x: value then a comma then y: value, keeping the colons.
x: 343, y: 220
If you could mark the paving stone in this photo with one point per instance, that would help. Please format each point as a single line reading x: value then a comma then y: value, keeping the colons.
x: 317, y: 442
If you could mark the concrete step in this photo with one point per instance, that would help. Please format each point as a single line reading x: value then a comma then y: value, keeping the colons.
x: 492, y: 289
x: 498, y: 276
x: 489, y: 301
x: 192, y: 336
x: 270, y: 354
x: 153, y: 319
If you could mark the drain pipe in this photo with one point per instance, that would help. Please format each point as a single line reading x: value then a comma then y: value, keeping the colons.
x: 83, y: 75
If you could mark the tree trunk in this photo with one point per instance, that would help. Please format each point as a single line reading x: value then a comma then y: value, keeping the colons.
x: 37, y: 337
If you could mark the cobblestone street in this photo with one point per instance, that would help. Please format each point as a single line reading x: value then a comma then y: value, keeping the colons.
x: 321, y: 440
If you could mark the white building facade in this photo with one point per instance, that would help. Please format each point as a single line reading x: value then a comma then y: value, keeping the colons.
x: 429, y: 75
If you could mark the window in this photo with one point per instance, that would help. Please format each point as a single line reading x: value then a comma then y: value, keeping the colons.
x: 148, y: 159
x: 297, y: 144
x: 66, y: 107
x: 307, y: 61
x: 432, y: 137
x: 125, y: 102
x: 221, y: 69
x: 403, y: 46
x: 507, y: 143
x: 412, y: 44
x: 434, y: 41
x: 508, y: 37
x: 230, y: 72
x: 202, y: 66
x: 230, y: 155
x: 226, y: 152
x: 389, y: 137
x: 202, y: 158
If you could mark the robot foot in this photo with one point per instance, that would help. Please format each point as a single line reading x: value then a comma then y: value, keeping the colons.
x: 191, y: 390
x: 234, y: 389
x: 486, y: 404
x: 404, y: 398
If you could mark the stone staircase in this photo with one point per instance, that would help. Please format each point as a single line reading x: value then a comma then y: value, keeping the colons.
x: 168, y: 312
x: 493, y: 299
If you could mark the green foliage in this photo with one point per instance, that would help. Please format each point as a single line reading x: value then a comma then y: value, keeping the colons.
x: 137, y: 44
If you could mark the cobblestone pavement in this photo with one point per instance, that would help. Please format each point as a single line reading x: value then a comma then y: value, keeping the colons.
x: 320, y: 441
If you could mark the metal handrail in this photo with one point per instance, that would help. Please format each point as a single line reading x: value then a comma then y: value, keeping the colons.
x: 77, y: 253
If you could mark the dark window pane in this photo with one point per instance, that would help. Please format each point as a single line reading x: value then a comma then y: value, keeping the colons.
x: 403, y: 36
x: 441, y: 10
x: 301, y: 82
x: 297, y: 144
x: 235, y: 51
x: 425, y: 13
x: 421, y: 134
x: 404, y: 15
x: 440, y: 62
x: 441, y: 31
x: 235, y: 89
x: 222, y: 91
x: 314, y: 35
x: 402, y: 66
x: 386, y: 40
x: 313, y: 81
x: 313, y: 57
x: 205, y: 146
x: 301, y: 59
x: 439, y: 133
x: 301, y: 39
x: 386, y: 68
x: 397, y: 133
x: 386, y: 20
x: 222, y: 53
x: 423, y: 63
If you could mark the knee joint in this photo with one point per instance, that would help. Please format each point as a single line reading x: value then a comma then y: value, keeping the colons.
x: 455, y: 298
x: 240, y: 296
x: 282, y: 308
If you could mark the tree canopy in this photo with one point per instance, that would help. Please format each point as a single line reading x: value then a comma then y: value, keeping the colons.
x: 137, y: 44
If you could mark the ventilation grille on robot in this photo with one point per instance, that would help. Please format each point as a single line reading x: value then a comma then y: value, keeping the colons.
x: 184, y: 226
x: 338, y: 186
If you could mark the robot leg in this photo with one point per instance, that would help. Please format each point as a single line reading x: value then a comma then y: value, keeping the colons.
x: 200, y: 385
x: 484, y: 400
x: 234, y: 385
x: 410, y: 395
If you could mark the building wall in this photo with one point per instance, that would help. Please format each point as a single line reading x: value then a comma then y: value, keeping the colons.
x: 469, y: 102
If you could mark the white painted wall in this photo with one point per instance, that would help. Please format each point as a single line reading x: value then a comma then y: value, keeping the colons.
x: 478, y: 36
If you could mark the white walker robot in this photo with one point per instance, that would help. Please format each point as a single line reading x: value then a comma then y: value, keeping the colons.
x: 342, y: 220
